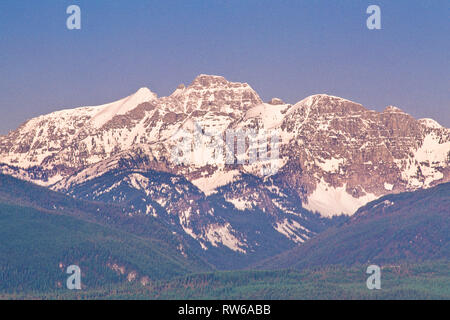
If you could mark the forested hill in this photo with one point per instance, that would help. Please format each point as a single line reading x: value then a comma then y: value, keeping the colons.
x: 42, y: 232
x: 412, y: 226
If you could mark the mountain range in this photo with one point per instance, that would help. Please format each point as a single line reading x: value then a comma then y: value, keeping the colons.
x: 333, y: 165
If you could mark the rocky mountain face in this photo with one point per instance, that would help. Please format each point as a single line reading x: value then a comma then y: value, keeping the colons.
x: 224, y: 230
x: 323, y: 154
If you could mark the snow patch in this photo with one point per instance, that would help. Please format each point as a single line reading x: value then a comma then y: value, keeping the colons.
x: 223, y: 234
x: 107, y: 111
x: 289, y: 229
x: 271, y: 115
x: 330, y: 201
x: 219, y: 178
x: 432, y: 151
x: 423, y: 168
x: 430, y: 123
x: 330, y: 165
x: 240, y: 204
x: 388, y: 186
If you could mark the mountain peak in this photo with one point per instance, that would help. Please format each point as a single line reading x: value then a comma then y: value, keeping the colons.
x: 323, y: 97
x: 211, y: 92
x: 392, y: 109
x: 324, y: 103
x: 145, y: 93
x: 120, y: 107
x: 207, y: 81
x: 276, y: 101
x: 430, y: 123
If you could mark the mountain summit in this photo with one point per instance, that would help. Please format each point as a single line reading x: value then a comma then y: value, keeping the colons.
x: 215, y: 93
x: 108, y: 111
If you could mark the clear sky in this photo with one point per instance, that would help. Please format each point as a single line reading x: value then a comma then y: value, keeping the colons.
x: 286, y: 49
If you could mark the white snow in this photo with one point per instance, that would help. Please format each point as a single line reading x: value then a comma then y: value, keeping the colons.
x: 138, y: 181
x: 430, y: 123
x: 271, y: 115
x: 393, y: 109
x: 289, y: 229
x: 330, y: 201
x: 216, y: 234
x: 107, y: 111
x: 385, y: 204
x: 330, y: 165
x: 223, y: 234
x: 240, y: 204
x: 310, y: 101
x: 429, y: 157
x: 432, y: 151
x: 219, y: 178
x: 388, y: 186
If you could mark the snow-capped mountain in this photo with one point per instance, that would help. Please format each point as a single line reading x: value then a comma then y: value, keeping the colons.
x: 333, y: 156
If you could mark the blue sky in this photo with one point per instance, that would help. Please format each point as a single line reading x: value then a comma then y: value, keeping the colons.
x: 286, y: 49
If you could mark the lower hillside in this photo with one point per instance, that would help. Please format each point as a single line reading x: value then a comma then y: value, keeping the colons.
x: 42, y: 232
x: 429, y: 280
x: 413, y: 226
x: 36, y: 247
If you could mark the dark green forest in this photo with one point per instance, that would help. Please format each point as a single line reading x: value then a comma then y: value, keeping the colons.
x: 35, y: 248
x: 405, y: 281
